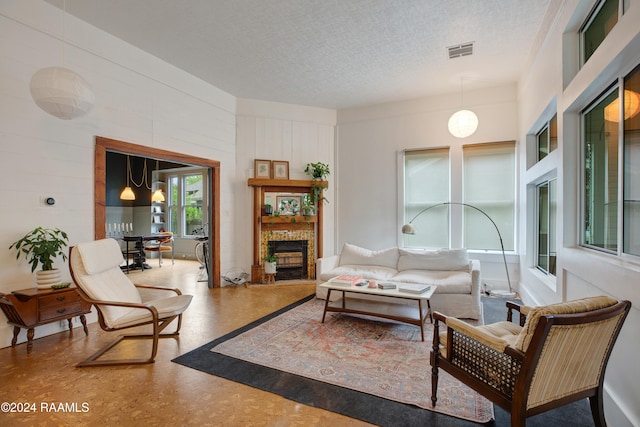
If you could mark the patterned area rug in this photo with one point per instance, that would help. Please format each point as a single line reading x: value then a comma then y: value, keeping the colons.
x: 373, y: 356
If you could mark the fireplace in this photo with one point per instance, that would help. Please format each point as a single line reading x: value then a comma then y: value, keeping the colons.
x: 291, y: 258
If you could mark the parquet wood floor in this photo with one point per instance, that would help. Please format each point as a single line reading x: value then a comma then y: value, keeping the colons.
x: 159, y: 394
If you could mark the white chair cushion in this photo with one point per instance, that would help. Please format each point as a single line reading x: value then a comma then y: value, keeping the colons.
x: 166, y: 307
x: 442, y: 260
x: 355, y: 255
x: 100, y: 255
x: 108, y: 283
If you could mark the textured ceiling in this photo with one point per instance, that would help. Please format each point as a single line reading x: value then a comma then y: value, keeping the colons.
x: 329, y: 53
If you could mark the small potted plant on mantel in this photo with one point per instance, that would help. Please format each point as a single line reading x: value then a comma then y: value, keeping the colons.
x: 318, y: 172
x: 40, y: 247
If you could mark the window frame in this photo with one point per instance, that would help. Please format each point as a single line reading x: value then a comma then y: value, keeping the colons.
x: 178, y: 207
x: 591, y: 17
x: 550, y: 235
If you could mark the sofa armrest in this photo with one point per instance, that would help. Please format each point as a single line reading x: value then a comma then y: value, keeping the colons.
x: 474, y: 265
x: 326, y: 264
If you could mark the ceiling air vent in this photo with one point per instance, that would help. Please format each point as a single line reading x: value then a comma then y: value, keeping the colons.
x: 457, y: 51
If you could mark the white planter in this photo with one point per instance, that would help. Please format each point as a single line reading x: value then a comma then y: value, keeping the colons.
x: 270, y: 268
x: 46, y: 278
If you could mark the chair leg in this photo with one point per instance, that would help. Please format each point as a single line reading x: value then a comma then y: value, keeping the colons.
x: 159, y: 258
x: 597, y: 409
x: 434, y: 385
x: 155, y: 336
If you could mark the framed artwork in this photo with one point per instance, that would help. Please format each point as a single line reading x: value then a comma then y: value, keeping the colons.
x: 262, y: 168
x: 280, y: 169
x: 288, y: 205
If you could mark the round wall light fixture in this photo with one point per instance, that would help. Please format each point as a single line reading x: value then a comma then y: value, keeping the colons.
x: 463, y: 123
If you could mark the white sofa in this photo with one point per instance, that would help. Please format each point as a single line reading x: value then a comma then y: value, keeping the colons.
x: 456, y: 276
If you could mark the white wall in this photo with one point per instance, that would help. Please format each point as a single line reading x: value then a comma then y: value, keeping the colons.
x: 554, y: 81
x: 369, y: 147
x: 276, y: 131
x: 139, y: 99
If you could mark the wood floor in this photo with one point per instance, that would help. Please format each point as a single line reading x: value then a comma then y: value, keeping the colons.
x: 159, y: 394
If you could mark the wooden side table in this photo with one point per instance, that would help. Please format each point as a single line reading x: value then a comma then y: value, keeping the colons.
x: 28, y: 308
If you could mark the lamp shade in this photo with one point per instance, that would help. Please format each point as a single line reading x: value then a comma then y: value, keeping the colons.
x: 157, y: 196
x: 127, y: 194
x: 463, y: 123
x: 61, y: 92
x: 408, y: 229
x: 631, y: 107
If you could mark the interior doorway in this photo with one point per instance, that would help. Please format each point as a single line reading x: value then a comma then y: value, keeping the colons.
x: 104, y: 145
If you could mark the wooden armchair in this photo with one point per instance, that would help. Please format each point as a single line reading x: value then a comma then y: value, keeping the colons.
x: 556, y: 355
x: 95, y: 268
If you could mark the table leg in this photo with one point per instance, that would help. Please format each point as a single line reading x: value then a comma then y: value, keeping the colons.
x: 326, y: 304
x: 421, y: 319
x: 16, y: 331
x: 69, y: 321
x: 84, y: 324
x: 30, y: 333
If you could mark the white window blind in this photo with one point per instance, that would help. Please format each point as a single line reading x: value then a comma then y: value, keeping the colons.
x: 489, y: 184
x: 427, y: 184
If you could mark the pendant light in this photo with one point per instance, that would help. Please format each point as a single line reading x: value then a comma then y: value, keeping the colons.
x: 59, y: 91
x: 631, y: 107
x: 127, y: 193
x: 463, y: 123
x: 157, y: 195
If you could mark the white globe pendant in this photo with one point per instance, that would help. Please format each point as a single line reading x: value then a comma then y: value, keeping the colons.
x: 61, y: 93
x: 463, y: 123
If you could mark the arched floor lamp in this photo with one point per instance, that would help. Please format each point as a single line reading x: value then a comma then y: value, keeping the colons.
x: 410, y: 229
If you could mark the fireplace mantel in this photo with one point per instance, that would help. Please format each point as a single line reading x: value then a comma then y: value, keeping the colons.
x: 261, y: 186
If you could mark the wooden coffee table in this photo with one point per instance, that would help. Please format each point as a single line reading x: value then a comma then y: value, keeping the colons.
x: 402, y: 306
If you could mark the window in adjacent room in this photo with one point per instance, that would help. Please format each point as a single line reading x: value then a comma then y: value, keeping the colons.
x: 426, y: 183
x: 601, y: 20
x: 547, y: 138
x: 186, y: 205
x: 546, y: 245
x: 489, y: 183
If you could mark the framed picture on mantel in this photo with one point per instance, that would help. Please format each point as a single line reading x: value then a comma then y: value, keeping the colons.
x: 280, y: 169
x: 262, y: 168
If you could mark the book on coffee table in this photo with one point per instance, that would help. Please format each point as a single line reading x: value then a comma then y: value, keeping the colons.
x: 414, y: 289
x: 347, y: 279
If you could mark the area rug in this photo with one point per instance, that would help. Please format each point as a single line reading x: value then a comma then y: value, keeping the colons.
x: 344, y: 363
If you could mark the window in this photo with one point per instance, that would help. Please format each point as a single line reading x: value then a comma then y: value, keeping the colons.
x: 185, y: 204
x: 604, y: 150
x: 489, y: 184
x: 426, y: 183
x: 601, y: 175
x: 602, y: 19
x: 631, y: 184
x: 547, y: 207
x: 547, y: 138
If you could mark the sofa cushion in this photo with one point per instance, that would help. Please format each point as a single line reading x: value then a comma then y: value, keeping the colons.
x: 447, y: 282
x: 443, y: 260
x: 366, y: 271
x: 355, y: 255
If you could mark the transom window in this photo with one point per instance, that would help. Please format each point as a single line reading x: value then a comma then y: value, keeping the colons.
x: 602, y: 19
x: 547, y: 138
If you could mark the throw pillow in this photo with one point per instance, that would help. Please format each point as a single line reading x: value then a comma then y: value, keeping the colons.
x: 355, y: 255
x: 441, y: 260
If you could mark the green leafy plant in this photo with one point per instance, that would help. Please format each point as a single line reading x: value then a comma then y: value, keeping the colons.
x: 41, y: 246
x: 270, y: 258
x: 318, y: 172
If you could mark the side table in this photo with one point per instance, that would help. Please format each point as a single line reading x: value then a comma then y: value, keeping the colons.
x: 28, y: 308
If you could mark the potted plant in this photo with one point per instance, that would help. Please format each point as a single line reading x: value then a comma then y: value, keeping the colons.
x: 268, y: 209
x: 270, y: 264
x: 318, y: 172
x: 40, y: 247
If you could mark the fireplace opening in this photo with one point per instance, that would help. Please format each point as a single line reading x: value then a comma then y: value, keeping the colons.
x: 291, y: 258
